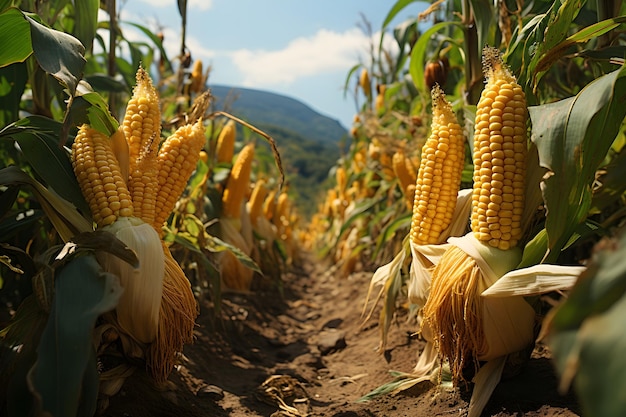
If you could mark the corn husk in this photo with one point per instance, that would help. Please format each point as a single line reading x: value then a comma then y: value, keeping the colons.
x: 494, y: 323
x: 138, y: 308
x: 425, y: 257
x: 235, y: 275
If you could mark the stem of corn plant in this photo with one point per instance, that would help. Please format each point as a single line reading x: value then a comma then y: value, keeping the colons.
x: 182, y: 7
x: 473, y: 65
x: 111, y: 67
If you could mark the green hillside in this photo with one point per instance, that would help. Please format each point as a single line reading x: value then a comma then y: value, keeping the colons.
x: 309, y: 143
x: 276, y: 110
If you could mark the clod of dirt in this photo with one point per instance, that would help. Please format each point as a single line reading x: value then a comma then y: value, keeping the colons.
x: 331, y: 340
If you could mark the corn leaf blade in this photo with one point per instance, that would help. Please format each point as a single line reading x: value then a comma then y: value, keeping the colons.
x: 82, y: 293
x: 573, y: 136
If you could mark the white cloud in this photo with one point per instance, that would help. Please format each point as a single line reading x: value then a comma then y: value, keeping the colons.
x: 192, y: 4
x: 324, y: 52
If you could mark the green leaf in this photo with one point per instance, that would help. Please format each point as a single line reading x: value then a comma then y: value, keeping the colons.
x: 58, y: 53
x: 82, y: 293
x: 418, y: 55
x: 155, y: 39
x: 38, y: 138
x: 573, y: 137
x: 587, y: 333
x: 86, y: 21
x: 483, y: 15
x: 98, y: 114
x: 549, y: 56
x: 63, y: 215
x: 15, y: 35
x: 12, y: 84
x: 103, y: 82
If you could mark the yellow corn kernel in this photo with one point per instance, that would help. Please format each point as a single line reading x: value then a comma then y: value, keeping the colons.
x: 238, y: 181
x: 500, y: 150
x: 142, y: 120
x: 439, y: 175
x: 99, y: 176
x: 225, y: 148
x: 177, y: 159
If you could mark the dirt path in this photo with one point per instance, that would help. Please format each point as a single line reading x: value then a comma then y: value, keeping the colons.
x: 308, y: 347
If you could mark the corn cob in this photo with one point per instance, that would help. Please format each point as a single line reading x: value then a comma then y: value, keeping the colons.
x: 177, y: 159
x: 499, y: 156
x: 99, y: 176
x: 439, y: 174
x: 270, y: 204
x: 342, y: 180
x: 255, y: 205
x: 467, y: 328
x: 225, y: 148
x: 238, y: 181
x: 97, y: 171
x: 405, y: 179
x: 365, y: 83
x: 197, y: 77
x: 143, y: 183
x: 142, y: 120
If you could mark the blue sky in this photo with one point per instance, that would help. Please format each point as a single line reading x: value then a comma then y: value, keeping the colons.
x: 299, y: 48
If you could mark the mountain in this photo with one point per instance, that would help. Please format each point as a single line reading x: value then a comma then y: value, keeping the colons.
x: 258, y: 106
x: 308, y: 142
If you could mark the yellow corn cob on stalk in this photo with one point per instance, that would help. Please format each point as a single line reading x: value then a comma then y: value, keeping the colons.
x: 405, y: 179
x: 342, y: 180
x: 225, y: 148
x: 255, y: 205
x: 143, y: 183
x: 282, y: 209
x: 365, y: 83
x: 270, y: 204
x: 142, y: 120
x: 98, y: 174
x: 464, y: 327
x: 97, y: 171
x: 238, y: 181
x: 439, y: 174
x: 379, y: 104
x: 197, y: 77
x: 500, y: 150
x: 177, y: 159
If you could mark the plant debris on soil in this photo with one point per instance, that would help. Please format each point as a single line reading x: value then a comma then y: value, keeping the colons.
x: 305, y: 351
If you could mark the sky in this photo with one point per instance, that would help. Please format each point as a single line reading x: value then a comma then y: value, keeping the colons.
x: 303, y: 49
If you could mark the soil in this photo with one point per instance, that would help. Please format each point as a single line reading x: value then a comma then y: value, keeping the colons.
x: 307, y: 344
